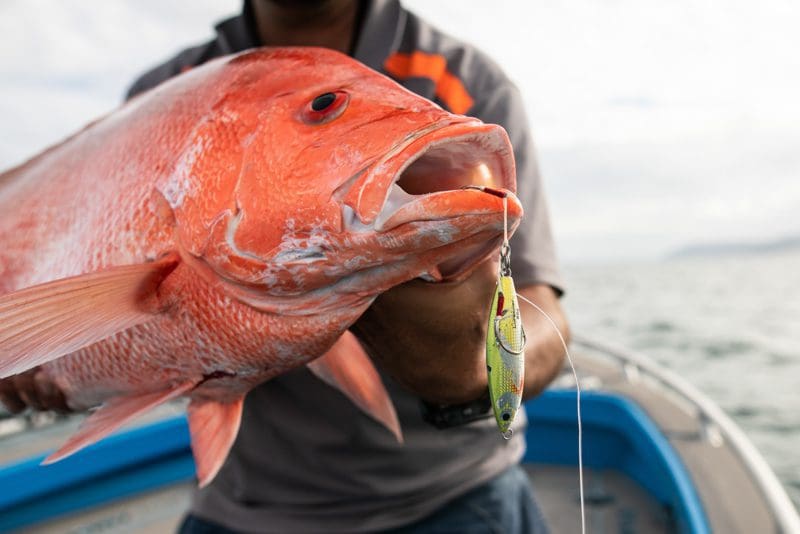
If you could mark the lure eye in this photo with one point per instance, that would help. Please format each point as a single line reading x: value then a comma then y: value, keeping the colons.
x: 325, y: 107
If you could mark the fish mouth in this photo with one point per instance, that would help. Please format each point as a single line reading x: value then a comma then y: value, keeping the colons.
x: 461, y: 169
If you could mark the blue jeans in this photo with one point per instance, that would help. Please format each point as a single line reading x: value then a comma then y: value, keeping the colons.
x: 504, y: 505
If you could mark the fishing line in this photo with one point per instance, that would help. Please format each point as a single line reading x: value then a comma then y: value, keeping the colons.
x: 578, y: 397
x: 505, y: 253
x: 505, y: 221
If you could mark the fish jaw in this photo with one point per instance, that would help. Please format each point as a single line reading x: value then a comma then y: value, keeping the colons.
x: 440, y: 237
x: 469, y: 223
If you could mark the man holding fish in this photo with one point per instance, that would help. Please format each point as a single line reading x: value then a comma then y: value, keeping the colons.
x: 306, y: 458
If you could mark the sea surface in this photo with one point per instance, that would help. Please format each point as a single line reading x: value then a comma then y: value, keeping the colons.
x: 729, y: 325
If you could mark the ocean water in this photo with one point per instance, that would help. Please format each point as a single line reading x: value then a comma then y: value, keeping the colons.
x: 730, y: 325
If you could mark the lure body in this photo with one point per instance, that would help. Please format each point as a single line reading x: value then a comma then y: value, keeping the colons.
x: 505, y: 354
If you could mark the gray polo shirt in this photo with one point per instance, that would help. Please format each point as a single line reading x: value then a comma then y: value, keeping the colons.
x: 306, y: 459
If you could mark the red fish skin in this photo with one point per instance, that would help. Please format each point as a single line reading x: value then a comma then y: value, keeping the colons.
x: 218, y: 165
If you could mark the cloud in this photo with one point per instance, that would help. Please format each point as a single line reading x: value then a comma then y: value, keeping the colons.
x: 644, y: 198
x: 64, y: 63
x: 656, y: 121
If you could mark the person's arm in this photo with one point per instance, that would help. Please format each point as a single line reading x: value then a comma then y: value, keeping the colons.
x: 544, y: 353
x: 432, y: 337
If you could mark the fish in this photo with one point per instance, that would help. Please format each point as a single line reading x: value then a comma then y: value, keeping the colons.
x: 230, y: 225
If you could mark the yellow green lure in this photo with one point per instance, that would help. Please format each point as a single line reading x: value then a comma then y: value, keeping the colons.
x: 505, y: 346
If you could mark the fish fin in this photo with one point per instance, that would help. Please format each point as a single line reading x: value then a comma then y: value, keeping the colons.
x: 213, y: 426
x: 348, y: 368
x: 44, y: 322
x: 112, y: 415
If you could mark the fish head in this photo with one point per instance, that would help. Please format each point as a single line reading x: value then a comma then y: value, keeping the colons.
x: 315, y: 177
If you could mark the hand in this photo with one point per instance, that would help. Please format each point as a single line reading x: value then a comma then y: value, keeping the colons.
x: 431, y: 336
x: 33, y: 389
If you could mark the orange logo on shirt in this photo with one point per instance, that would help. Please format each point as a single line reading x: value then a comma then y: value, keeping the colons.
x: 449, y: 88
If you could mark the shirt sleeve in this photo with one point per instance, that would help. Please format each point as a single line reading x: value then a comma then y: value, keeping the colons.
x: 533, y: 255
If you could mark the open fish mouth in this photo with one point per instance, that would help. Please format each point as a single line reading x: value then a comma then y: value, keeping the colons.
x: 438, y: 175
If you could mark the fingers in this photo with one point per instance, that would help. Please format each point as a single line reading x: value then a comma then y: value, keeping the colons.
x: 9, y: 396
x: 26, y: 389
x: 33, y: 389
x: 50, y: 396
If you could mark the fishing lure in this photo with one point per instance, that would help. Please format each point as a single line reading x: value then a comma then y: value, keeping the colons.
x: 577, y: 402
x: 505, y: 350
x: 505, y: 345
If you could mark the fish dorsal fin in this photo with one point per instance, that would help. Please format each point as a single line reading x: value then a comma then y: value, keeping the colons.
x: 112, y: 415
x: 348, y: 368
x: 44, y: 322
x: 213, y: 426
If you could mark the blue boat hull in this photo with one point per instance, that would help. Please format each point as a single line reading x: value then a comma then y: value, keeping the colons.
x: 618, y: 434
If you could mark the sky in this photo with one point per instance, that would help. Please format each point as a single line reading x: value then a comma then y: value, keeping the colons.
x: 657, y: 123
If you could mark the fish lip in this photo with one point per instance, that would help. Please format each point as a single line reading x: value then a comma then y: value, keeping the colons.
x: 465, y: 265
x: 469, y: 136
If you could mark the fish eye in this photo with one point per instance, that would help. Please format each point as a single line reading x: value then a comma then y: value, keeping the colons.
x: 325, y: 107
x: 323, y: 101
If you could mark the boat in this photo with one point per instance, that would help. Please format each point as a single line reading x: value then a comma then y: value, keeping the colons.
x: 658, y: 457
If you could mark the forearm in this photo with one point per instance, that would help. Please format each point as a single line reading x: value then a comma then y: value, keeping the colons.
x: 544, y: 353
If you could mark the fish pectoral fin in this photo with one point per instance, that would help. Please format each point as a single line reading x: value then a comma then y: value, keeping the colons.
x: 213, y: 426
x: 113, y: 414
x: 44, y: 322
x: 348, y: 368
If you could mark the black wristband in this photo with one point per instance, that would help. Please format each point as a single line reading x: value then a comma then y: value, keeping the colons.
x: 450, y: 415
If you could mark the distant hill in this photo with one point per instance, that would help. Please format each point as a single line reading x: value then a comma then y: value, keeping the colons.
x: 786, y: 244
